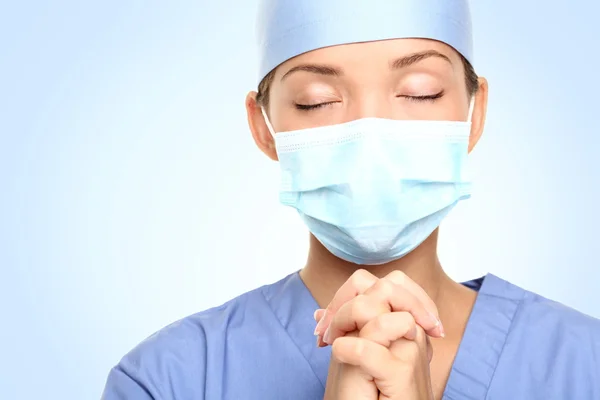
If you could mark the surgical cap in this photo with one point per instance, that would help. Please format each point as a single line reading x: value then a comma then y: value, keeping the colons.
x: 287, y: 28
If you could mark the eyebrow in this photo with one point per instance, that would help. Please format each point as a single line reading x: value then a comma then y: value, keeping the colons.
x: 315, y: 69
x: 398, y: 63
x: 414, y: 58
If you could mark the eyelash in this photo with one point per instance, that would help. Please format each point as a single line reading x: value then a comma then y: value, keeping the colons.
x: 309, y: 107
x: 430, y: 98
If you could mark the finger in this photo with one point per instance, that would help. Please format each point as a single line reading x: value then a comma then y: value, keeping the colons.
x: 410, y: 351
x: 400, y: 278
x: 429, y: 318
x: 413, y: 368
x: 346, y: 381
x: 389, y: 327
x: 421, y: 338
x: 429, y: 350
x: 349, y: 382
x: 353, y: 315
x: 358, y: 283
x: 401, y: 299
x: 374, y: 359
x: 318, y: 314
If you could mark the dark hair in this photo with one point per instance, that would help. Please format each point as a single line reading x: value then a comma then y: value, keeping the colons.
x: 471, y: 80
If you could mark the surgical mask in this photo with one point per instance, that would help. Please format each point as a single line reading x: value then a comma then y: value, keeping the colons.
x: 372, y: 190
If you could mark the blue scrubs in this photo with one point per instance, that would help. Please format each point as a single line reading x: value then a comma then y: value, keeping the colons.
x: 517, y: 345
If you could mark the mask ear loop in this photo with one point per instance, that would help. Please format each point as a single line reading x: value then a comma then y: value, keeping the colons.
x: 269, y: 126
x: 471, y: 108
x: 469, y: 121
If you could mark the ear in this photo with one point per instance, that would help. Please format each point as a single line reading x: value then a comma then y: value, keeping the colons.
x: 479, y: 113
x: 260, y: 132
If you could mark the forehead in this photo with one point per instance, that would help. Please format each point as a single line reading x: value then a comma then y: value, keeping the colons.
x: 366, y: 54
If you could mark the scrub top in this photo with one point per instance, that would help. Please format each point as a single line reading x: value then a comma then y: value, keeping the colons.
x: 517, y: 345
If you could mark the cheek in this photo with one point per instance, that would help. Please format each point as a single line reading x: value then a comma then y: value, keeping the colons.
x: 457, y: 107
x: 280, y: 117
x: 286, y: 118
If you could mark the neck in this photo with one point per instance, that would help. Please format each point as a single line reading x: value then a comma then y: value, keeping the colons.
x: 324, y: 273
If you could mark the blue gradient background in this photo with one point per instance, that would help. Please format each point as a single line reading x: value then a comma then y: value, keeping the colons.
x: 132, y: 193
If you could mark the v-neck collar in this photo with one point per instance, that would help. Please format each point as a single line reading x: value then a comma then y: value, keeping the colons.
x: 294, y: 306
x: 485, y: 336
x: 478, y: 353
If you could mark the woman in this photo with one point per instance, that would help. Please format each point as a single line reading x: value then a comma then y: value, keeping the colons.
x: 371, y: 109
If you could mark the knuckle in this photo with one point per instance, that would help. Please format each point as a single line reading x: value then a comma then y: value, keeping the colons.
x: 359, y: 277
x: 344, y: 349
x: 360, y: 307
x: 396, y: 324
x: 386, y: 287
x: 337, y: 351
x: 407, y: 319
x: 382, y: 323
x: 397, y: 277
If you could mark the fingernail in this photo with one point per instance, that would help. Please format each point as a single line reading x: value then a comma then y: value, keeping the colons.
x: 319, y: 328
x: 315, y: 314
x: 437, y: 325
x: 435, y: 320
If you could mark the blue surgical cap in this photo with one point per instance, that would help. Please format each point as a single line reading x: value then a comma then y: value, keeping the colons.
x: 287, y: 28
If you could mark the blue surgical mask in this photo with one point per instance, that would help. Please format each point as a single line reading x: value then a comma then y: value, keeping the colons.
x: 373, y: 189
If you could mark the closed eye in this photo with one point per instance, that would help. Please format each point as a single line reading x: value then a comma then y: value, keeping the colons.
x: 431, y: 98
x: 308, y: 107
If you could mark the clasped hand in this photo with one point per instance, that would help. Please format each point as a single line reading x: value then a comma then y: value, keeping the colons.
x: 379, y: 331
